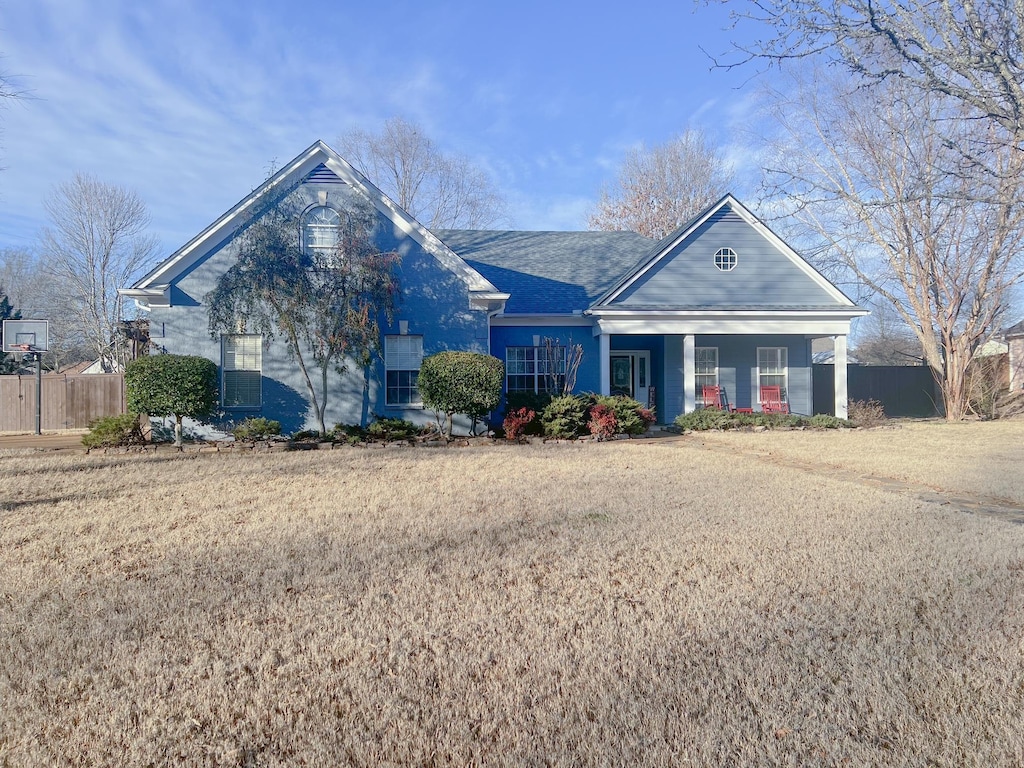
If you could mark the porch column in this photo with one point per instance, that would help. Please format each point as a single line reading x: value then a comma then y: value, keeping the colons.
x: 605, y: 354
x: 689, y: 373
x: 840, y: 376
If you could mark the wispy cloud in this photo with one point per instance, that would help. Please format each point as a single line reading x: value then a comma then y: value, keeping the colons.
x: 188, y: 101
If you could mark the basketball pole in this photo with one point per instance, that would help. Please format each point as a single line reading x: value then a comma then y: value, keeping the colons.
x: 39, y: 393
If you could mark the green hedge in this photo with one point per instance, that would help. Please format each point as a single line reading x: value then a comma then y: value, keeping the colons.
x: 712, y: 418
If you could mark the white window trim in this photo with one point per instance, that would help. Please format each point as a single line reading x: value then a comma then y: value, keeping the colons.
x: 785, y: 371
x: 726, y: 259
x: 397, y: 361
x: 540, y: 374
x: 324, y: 254
x: 227, y: 368
x: 698, y: 374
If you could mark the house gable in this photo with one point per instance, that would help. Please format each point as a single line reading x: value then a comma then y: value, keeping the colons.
x: 681, y: 272
x: 322, y: 167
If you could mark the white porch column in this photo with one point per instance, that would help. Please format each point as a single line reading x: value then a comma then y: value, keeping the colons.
x: 689, y: 373
x: 605, y: 353
x: 840, y: 376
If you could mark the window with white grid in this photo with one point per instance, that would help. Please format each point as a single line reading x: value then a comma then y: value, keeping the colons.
x: 529, y: 369
x: 242, y: 356
x: 402, y: 358
x: 706, y: 360
x: 322, y: 233
x: 725, y: 259
x: 772, y: 369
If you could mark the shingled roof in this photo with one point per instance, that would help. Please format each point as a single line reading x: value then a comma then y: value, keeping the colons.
x: 549, y: 272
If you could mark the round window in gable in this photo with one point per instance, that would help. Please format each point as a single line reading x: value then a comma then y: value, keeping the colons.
x: 725, y: 259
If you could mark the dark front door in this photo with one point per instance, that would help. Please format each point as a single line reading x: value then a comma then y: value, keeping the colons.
x: 622, y: 375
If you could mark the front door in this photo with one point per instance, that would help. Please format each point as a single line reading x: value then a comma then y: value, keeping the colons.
x: 631, y: 374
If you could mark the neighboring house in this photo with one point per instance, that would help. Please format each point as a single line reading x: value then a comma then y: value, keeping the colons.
x: 722, y: 300
x: 1014, y: 336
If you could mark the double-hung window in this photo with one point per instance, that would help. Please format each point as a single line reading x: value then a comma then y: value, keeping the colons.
x: 534, y: 369
x: 322, y: 234
x: 402, y: 358
x: 242, y: 358
x: 772, y: 369
x: 706, y: 359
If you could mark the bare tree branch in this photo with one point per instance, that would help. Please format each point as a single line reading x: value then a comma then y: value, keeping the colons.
x: 971, y: 50
x: 660, y: 188
x: 96, y: 243
x: 879, y: 180
x: 442, y: 191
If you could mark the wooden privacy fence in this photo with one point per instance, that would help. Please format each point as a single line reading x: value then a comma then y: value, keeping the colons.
x: 70, y: 401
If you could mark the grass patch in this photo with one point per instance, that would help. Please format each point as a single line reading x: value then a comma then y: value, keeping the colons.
x: 627, y: 603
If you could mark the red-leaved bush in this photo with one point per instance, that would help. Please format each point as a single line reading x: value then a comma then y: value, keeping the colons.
x: 647, y: 416
x: 602, y: 422
x: 515, y: 423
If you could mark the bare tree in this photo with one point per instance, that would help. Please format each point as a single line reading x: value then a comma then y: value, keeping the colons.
x: 877, y: 174
x: 39, y: 297
x: 96, y: 243
x: 971, y: 50
x: 660, y: 188
x: 20, y: 276
x: 884, y: 338
x: 441, y: 190
x: 327, y: 307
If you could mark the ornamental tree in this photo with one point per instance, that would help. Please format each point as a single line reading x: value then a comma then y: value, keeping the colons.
x: 326, y: 305
x: 178, y: 385
x: 461, y: 382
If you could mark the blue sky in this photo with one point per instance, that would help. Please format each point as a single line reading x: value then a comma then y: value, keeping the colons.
x: 190, y: 102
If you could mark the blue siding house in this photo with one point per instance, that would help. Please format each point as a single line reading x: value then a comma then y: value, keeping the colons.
x: 722, y: 300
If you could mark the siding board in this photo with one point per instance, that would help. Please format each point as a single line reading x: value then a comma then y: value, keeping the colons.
x: 688, y: 277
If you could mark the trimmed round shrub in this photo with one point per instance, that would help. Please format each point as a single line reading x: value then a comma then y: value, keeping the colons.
x: 183, y: 386
x: 827, y: 421
x: 461, y: 382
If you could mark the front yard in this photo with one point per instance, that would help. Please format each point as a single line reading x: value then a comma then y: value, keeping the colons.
x: 636, y: 602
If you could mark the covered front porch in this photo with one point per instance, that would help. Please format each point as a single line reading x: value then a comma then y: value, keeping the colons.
x: 668, y: 370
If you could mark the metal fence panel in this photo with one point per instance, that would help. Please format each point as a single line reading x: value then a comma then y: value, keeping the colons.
x: 903, y: 390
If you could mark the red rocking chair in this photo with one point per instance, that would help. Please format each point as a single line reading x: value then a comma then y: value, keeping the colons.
x: 713, y: 397
x: 772, y: 402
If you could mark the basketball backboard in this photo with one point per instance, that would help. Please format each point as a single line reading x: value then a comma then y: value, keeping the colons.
x: 26, y: 335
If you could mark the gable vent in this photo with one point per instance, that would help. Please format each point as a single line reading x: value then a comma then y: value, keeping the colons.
x: 323, y: 175
x: 726, y: 214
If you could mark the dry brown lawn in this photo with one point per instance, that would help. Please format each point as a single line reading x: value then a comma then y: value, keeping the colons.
x: 647, y: 602
x: 972, y: 458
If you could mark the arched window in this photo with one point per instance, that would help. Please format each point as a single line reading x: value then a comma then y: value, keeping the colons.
x: 321, y: 233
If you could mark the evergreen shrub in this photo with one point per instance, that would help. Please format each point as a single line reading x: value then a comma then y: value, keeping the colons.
x: 114, y: 432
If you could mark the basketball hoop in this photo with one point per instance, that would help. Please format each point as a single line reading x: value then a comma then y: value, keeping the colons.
x: 21, y: 347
